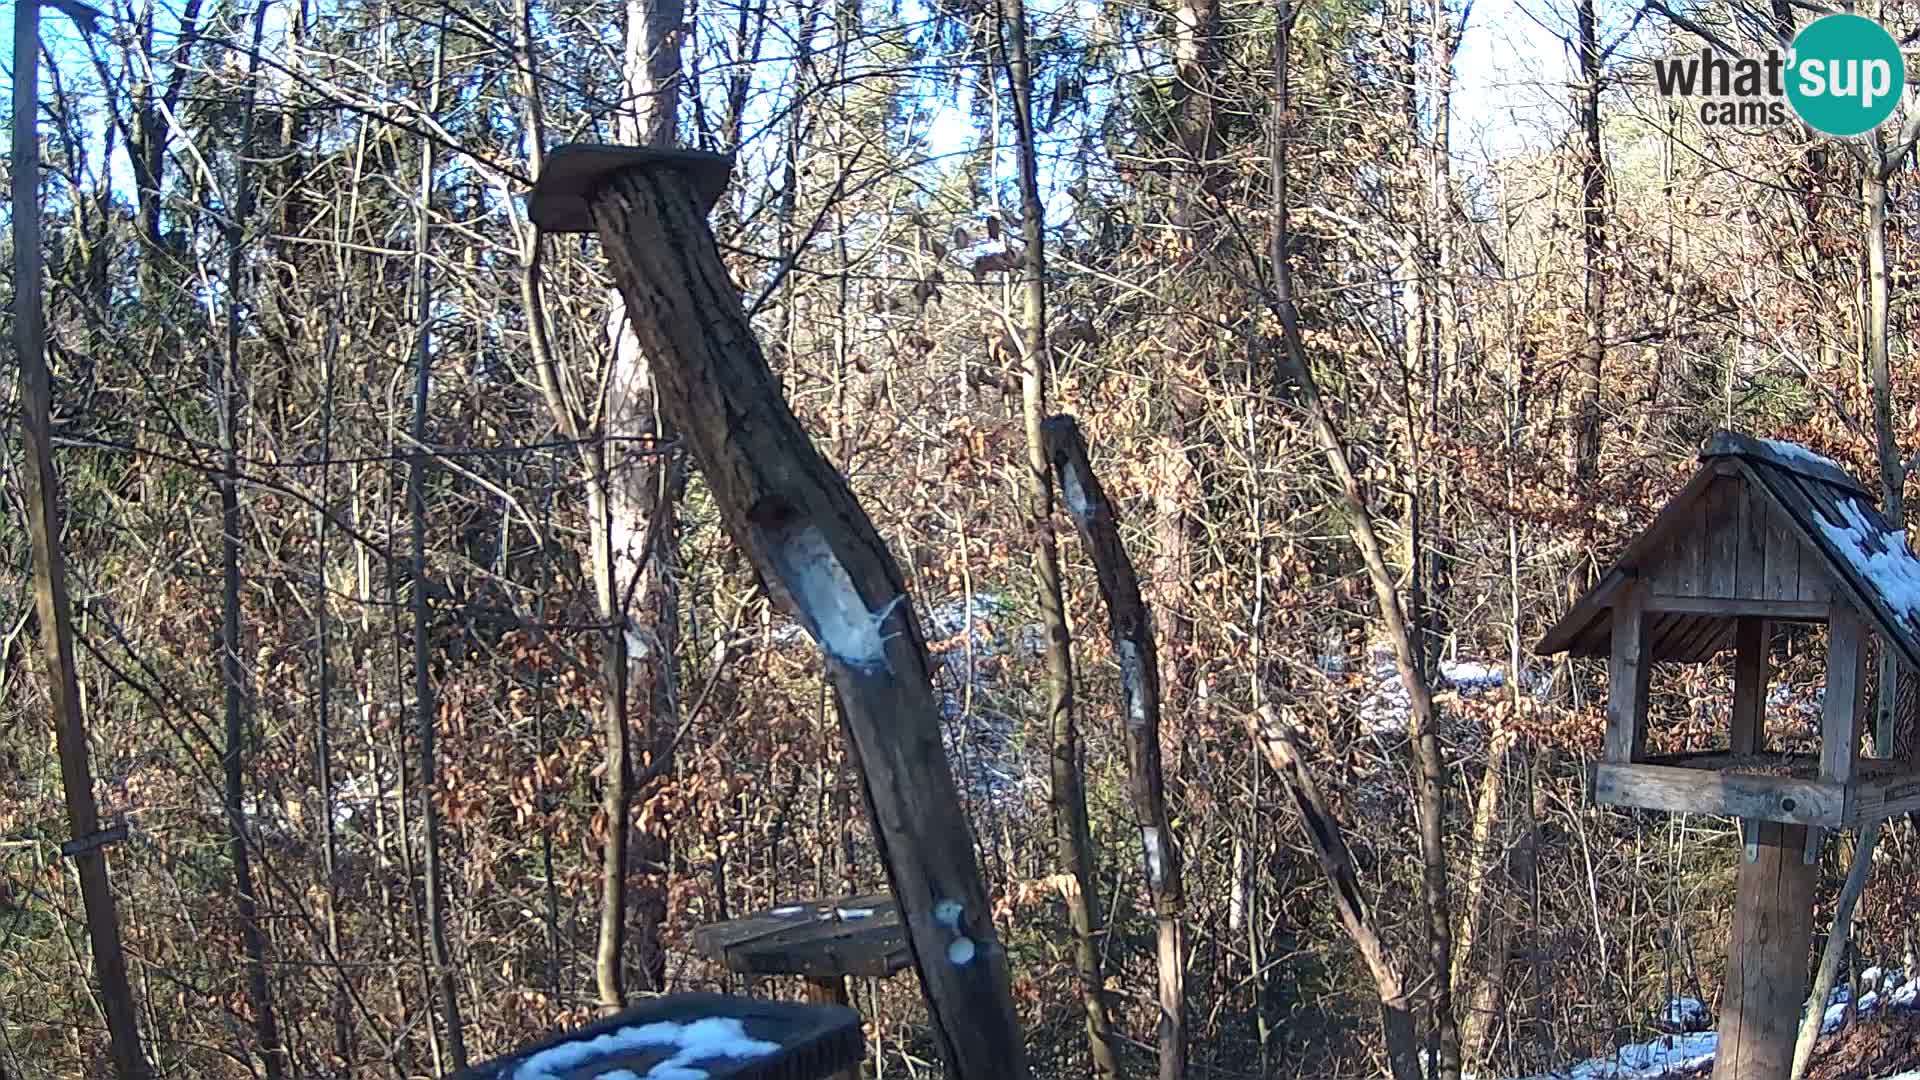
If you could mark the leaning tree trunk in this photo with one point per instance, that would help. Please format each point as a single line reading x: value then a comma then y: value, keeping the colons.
x: 1429, y: 775
x: 824, y: 563
x: 1130, y: 626
x: 1068, y: 792
x: 51, y: 604
x: 1275, y: 740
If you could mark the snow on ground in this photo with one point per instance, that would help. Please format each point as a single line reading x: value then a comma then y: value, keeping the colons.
x: 1693, y: 1053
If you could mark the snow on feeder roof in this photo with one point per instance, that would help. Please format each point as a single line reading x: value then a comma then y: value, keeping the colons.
x: 1764, y: 532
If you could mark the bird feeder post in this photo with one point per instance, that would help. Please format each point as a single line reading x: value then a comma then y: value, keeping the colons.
x: 1763, y: 533
x: 818, y: 553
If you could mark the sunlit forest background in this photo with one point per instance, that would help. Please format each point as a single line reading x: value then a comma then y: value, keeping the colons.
x: 290, y: 283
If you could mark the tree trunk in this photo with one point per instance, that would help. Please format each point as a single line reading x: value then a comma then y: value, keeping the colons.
x: 1275, y: 740
x: 823, y: 563
x: 440, y: 954
x: 227, y: 393
x: 1429, y: 771
x: 1130, y: 626
x: 1585, y: 456
x: 1068, y: 793
x: 51, y: 604
x: 631, y: 573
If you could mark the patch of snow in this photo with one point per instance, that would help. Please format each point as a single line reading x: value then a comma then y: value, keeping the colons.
x: 1686, y: 1014
x: 947, y: 913
x: 700, y: 1040
x: 1892, y: 571
x: 790, y: 909
x: 961, y: 951
x: 853, y: 912
x: 619, y: 1074
x: 1470, y: 675
x: 1797, y: 453
x: 830, y: 606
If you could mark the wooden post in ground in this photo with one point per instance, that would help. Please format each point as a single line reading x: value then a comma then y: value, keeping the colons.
x: 819, y: 555
x: 52, y: 606
x: 1767, y: 959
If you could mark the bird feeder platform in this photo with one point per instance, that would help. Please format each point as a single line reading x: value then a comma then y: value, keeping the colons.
x: 714, y: 1035
x: 1765, y: 532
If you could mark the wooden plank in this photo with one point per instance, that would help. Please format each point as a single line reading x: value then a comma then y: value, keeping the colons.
x: 1777, y: 610
x: 1627, y: 674
x: 825, y: 564
x: 1588, y: 610
x: 1752, y: 667
x: 1727, y: 794
x: 1782, y: 578
x: 1883, y: 797
x: 1719, y: 539
x: 827, y: 939
x: 1846, y: 684
x: 1767, y: 958
x: 1751, y: 572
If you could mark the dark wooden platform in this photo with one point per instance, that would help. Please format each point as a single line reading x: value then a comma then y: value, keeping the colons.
x: 811, y: 1041
x: 1786, y: 788
x: 820, y: 939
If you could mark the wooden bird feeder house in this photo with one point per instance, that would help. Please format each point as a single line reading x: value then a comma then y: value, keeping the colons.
x: 1765, y: 532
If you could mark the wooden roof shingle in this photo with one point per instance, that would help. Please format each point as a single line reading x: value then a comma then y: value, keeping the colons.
x: 1830, y: 513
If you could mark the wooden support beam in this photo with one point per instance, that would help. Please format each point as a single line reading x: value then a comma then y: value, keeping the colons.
x: 1846, y: 684
x: 1627, y: 674
x: 823, y: 563
x: 1810, y: 611
x: 1767, y: 959
x: 832, y: 990
x: 1752, y: 668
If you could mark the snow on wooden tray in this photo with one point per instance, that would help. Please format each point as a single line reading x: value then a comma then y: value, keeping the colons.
x: 693, y: 1037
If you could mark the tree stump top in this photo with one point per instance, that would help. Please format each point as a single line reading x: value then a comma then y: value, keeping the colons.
x: 852, y: 935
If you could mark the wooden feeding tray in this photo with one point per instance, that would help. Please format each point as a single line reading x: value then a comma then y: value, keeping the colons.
x: 1765, y: 532
x: 1786, y: 788
x: 822, y: 940
x: 709, y: 1035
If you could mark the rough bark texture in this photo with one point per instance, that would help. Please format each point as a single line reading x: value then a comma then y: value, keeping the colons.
x: 440, y: 953
x: 1275, y: 740
x: 1130, y: 626
x: 1068, y: 788
x: 1593, y: 243
x: 224, y: 375
x: 823, y: 563
x: 51, y: 604
x: 632, y: 503
x: 1429, y: 773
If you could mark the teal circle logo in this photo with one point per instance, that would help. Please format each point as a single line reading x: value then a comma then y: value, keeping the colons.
x: 1845, y: 74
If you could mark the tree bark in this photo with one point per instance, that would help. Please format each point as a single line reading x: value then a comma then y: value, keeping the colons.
x: 52, y: 606
x: 1584, y: 459
x: 227, y: 393
x: 1429, y: 773
x: 823, y: 563
x: 1130, y: 626
x: 440, y: 953
x: 631, y: 551
x: 1068, y: 790
x: 1275, y: 740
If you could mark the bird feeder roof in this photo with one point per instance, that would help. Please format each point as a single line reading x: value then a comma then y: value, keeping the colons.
x: 1764, y: 528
